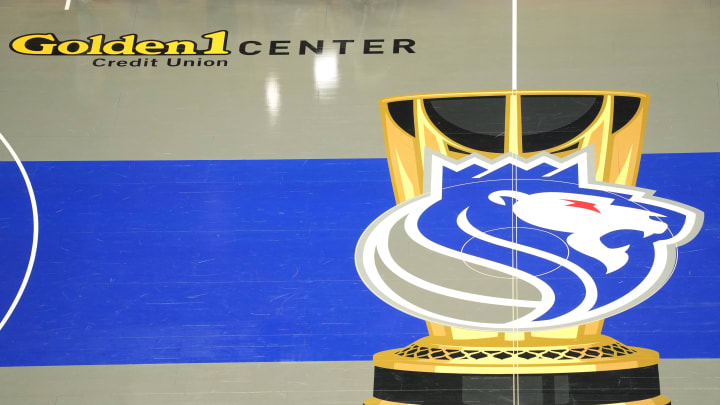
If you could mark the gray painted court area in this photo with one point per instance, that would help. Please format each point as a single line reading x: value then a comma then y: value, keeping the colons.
x: 312, y: 107
x: 307, y: 106
x: 686, y: 382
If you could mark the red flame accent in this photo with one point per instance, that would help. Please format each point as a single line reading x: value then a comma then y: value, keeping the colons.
x: 582, y: 204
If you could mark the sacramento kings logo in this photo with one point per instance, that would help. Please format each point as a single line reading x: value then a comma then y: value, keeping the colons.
x: 522, y: 244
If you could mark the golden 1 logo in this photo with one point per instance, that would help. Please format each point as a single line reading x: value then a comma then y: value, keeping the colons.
x: 214, y: 44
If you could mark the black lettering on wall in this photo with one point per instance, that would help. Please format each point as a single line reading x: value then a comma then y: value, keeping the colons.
x: 317, y: 49
x: 372, y: 48
x: 343, y: 44
x: 405, y: 44
x: 244, y: 45
x: 279, y: 47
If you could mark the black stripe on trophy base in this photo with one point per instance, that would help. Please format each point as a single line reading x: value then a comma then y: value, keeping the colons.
x: 594, y: 388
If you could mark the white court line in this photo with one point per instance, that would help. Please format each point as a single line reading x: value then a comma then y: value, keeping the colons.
x: 67, y: 4
x: 33, y: 249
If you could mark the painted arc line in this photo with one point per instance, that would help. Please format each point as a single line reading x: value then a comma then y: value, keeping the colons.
x: 33, y: 249
x: 67, y: 7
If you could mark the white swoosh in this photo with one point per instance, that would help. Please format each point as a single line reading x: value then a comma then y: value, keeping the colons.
x: 591, y: 292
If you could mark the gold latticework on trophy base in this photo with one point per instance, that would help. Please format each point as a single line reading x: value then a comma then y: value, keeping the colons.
x: 660, y: 400
x: 596, y: 370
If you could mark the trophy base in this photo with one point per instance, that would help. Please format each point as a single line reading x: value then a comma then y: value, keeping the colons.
x: 659, y: 400
x: 600, y: 371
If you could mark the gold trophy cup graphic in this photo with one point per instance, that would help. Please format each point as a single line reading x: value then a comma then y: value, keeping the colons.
x: 570, y: 364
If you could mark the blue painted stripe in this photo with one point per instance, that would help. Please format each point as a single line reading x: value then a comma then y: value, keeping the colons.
x: 235, y: 261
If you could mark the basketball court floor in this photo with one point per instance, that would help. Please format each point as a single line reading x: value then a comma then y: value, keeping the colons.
x: 196, y: 222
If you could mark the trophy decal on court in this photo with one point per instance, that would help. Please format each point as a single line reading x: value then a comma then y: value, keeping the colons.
x: 518, y: 229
